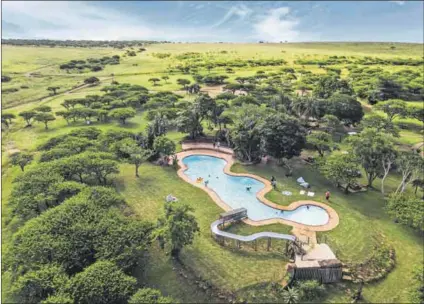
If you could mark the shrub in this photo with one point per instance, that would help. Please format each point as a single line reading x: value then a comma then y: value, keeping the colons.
x: 311, y: 289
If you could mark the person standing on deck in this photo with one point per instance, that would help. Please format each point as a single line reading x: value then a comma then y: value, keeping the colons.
x: 218, y: 144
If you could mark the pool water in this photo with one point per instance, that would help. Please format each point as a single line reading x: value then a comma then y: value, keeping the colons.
x: 232, y: 190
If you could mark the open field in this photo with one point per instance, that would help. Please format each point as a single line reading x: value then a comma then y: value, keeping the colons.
x: 362, y: 215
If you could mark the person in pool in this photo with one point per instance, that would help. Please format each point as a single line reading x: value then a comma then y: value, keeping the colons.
x: 248, y: 188
x: 206, y: 183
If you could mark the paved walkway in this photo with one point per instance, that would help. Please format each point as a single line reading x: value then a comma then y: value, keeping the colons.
x: 208, y: 146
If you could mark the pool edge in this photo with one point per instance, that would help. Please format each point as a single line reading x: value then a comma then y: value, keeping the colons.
x: 333, y: 218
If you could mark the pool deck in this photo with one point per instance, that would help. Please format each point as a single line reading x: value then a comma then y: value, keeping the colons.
x: 306, y: 231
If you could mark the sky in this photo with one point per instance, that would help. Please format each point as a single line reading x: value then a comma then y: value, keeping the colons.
x: 215, y: 21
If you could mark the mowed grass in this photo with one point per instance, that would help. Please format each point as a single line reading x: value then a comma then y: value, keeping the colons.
x: 226, y: 267
x: 362, y: 216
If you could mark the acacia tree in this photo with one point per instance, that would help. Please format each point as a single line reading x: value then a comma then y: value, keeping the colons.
x: 122, y: 114
x: 21, y: 159
x: 7, y: 118
x: 92, y: 80
x: 321, y: 141
x: 43, y: 108
x: 137, y: 155
x: 371, y: 147
x: 184, y: 82
x: 381, y: 123
x: 53, y: 90
x: 27, y: 115
x: 177, y: 228
x: 154, y: 80
x: 341, y: 169
x: 393, y: 108
x: 165, y: 78
x: 44, y: 118
x: 410, y: 164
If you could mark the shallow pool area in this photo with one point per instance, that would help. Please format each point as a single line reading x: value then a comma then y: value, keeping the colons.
x: 233, y: 191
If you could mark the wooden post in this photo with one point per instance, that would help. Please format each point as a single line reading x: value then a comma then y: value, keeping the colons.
x: 256, y: 245
x: 287, y: 247
x: 269, y: 244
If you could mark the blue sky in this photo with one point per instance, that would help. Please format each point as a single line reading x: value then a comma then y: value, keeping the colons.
x: 212, y: 21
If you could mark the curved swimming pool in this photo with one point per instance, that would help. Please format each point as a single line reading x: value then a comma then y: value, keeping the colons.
x: 232, y: 190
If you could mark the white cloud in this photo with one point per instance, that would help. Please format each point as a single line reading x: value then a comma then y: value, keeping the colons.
x: 398, y: 2
x: 81, y: 20
x: 241, y: 11
x: 277, y: 26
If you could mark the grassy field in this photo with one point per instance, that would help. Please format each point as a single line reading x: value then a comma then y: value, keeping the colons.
x: 362, y: 215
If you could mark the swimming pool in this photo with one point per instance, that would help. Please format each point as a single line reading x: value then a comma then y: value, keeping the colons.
x: 232, y: 190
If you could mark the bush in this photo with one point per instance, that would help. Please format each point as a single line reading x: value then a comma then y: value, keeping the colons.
x: 311, y: 290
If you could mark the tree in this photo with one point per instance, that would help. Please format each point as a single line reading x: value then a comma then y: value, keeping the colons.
x: 27, y: 115
x: 6, y: 118
x: 137, y: 155
x: 291, y: 296
x: 44, y: 117
x: 154, y: 80
x: 53, y: 90
x: 321, y: 141
x: 327, y: 85
x: 177, y: 228
x: 345, y: 108
x: 232, y: 87
x: 342, y: 169
x: 371, y: 147
x: 410, y: 164
x: 387, y: 161
x: 44, y: 109
x: 149, y: 296
x: 417, y: 113
x: 393, y: 108
x: 407, y: 209
x: 380, y: 123
x: 122, y: 114
x: 102, y: 282
x: 189, y: 121
x: 21, y: 159
x: 332, y: 123
x: 164, y: 146
x: 246, y: 134
x: 165, y: 78
x: 418, y: 183
x: 282, y: 136
x: 92, y: 80
x: 67, y: 115
x: 37, y: 285
x: 184, y: 82
x: 58, y: 298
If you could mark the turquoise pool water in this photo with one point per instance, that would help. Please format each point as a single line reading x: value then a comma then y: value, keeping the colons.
x: 232, y: 190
